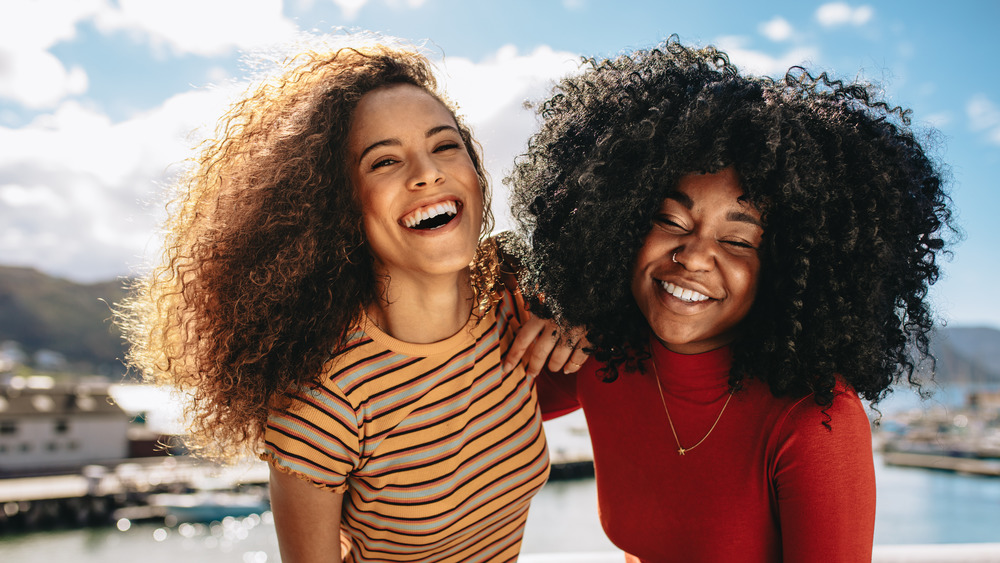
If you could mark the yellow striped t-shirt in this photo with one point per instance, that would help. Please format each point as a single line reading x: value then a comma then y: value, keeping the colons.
x: 436, y: 450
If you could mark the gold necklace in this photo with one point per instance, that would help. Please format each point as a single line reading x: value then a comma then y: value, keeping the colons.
x: 681, y: 450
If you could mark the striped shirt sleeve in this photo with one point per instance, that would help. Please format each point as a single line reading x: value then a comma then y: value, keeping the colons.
x: 317, y: 438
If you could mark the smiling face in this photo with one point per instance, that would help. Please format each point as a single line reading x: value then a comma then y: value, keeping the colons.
x: 419, y: 191
x: 695, y: 277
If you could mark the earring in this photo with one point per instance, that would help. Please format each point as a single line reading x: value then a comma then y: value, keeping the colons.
x: 674, y: 258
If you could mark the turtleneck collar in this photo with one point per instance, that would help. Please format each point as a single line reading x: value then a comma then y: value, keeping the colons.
x: 691, y: 371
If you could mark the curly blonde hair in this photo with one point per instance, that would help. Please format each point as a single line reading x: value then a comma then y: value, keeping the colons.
x: 265, y: 267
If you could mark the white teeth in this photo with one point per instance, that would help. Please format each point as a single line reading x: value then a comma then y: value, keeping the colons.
x: 688, y: 295
x: 421, y: 215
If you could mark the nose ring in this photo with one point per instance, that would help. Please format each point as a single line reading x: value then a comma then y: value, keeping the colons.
x: 674, y: 258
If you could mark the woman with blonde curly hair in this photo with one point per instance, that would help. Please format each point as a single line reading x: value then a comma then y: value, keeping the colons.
x: 326, y: 301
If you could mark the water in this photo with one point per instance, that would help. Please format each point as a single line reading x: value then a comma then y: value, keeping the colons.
x: 914, y: 506
x: 922, y: 506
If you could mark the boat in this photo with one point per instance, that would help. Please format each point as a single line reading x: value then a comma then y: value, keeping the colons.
x: 208, y: 505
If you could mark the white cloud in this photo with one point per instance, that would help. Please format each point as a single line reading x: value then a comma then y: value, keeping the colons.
x: 36, y: 79
x: 483, y: 88
x: 491, y: 95
x: 350, y: 8
x: 218, y: 28
x: 18, y: 196
x: 938, y: 120
x: 40, y: 24
x: 763, y: 64
x: 840, y: 13
x: 79, y: 194
x: 777, y: 29
x: 984, y: 116
x: 29, y: 74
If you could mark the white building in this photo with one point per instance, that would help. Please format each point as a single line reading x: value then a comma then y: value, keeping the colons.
x: 48, y: 428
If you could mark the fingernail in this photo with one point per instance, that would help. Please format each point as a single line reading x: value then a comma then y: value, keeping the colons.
x: 506, y: 367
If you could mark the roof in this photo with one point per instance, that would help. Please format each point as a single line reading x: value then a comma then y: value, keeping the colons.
x: 61, y: 400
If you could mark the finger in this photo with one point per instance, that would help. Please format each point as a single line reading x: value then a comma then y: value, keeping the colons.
x: 576, y: 361
x: 560, y: 355
x: 579, y: 345
x: 523, y: 342
x: 544, y: 344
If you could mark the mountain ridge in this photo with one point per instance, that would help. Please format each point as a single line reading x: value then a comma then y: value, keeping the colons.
x: 43, y: 312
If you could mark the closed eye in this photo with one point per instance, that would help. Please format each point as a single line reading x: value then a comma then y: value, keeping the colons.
x: 667, y: 222
x: 379, y: 163
x: 739, y: 244
x: 447, y: 146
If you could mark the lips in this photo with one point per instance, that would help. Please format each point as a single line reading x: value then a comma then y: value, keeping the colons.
x: 684, y: 294
x: 431, y: 216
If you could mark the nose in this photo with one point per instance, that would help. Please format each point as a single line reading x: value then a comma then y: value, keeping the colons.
x: 695, y: 255
x: 425, y: 172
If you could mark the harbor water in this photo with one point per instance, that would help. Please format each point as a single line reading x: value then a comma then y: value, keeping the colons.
x: 915, y: 506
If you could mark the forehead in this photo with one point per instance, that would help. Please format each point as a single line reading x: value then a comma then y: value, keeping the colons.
x: 723, y: 185
x: 389, y: 110
x: 714, y: 194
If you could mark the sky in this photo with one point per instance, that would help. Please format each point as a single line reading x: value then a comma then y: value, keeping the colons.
x: 101, y: 101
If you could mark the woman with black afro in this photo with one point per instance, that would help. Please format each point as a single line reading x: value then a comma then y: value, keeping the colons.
x: 749, y: 258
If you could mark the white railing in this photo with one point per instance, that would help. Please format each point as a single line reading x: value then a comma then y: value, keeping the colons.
x: 925, y: 553
x: 940, y: 552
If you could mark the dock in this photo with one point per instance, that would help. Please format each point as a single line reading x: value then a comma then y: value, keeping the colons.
x: 967, y: 465
x: 99, y: 494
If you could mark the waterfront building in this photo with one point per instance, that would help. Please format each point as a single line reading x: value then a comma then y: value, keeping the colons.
x: 50, y: 428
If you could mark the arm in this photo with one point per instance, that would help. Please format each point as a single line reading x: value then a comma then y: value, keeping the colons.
x: 315, y: 441
x: 306, y: 519
x: 556, y: 394
x: 825, y: 483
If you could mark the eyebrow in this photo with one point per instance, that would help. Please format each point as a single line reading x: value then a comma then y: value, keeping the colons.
x: 683, y: 199
x: 396, y: 142
x: 744, y: 218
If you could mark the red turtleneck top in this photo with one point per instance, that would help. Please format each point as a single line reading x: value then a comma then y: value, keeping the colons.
x: 770, y: 483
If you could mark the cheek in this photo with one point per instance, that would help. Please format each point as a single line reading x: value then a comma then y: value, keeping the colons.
x: 363, y: 195
x: 746, y: 278
x: 477, y: 202
x: 475, y: 205
x: 375, y: 204
x: 655, y: 248
x: 640, y: 273
x: 471, y: 179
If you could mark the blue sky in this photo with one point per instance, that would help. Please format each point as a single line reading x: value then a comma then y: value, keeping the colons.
x: 101, y: 100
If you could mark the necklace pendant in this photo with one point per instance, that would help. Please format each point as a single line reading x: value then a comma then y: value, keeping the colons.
x: 680, y: 451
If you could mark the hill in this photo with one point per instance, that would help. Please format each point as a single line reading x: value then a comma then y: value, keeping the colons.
x: 967, y: 355
x: 41, y: 312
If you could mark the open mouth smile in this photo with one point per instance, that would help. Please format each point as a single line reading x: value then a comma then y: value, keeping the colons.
x: 686, y: 295
x: 432, y: 216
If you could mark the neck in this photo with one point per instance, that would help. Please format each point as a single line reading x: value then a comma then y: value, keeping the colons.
x: 426, y: 309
